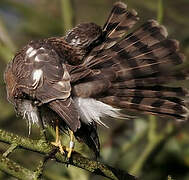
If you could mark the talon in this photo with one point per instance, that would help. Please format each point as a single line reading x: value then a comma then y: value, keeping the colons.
x: 58, y: 144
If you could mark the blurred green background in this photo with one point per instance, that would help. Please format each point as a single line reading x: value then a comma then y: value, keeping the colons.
x: 152, y: 148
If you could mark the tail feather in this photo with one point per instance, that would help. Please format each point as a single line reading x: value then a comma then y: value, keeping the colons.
x: 156, y: 51
x: 142, y: 62
x: 155, y: 106
x: 159, y: 56
x: 115, y: 16
x: 120, y: 28
x: 146, y: 67
x: 149, y: 81
x: 143, y: 68
x: 118, y: 23
x: 157, y: 92
x: 148, y: 34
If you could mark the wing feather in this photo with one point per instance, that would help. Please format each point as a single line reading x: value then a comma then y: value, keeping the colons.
x: 66, y: 110
x: 49, y: 83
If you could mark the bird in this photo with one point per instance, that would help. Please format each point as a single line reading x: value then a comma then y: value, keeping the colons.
x: 72, y: 82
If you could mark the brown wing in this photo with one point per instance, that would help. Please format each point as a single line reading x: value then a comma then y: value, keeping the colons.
x: 131, y: 71
x: 41, y: 75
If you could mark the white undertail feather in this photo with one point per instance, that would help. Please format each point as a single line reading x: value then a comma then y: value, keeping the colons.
x: 29, y: 112
x: 92, y: 110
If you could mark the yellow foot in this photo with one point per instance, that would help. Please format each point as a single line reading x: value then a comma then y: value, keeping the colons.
x: 58, y: 144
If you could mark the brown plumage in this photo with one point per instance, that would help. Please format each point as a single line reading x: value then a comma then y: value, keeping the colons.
x: 93, y: 72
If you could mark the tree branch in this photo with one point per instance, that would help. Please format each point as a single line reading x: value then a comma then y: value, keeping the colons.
x: 45, y: 148
x: 14, y: 169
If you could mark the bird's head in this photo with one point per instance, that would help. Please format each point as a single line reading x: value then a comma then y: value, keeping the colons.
x: 23, y: 103
x: 84, y: 35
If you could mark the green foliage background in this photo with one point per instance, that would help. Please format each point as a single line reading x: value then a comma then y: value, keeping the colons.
x: 148, y: 147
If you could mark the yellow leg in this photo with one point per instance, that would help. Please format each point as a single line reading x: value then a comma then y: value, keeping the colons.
x: 71, y: 147
x: 57, y: 142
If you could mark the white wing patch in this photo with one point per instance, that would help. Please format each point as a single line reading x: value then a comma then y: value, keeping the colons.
x: 37, y: 76
x: 92, y: 110
x: 31, y: 52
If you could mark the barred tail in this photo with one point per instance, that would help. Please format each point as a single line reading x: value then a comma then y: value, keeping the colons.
x: 130, y: 71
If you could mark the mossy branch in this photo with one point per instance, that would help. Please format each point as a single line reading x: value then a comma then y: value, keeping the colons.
x: 45, y: 148
x: 14, y: 169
